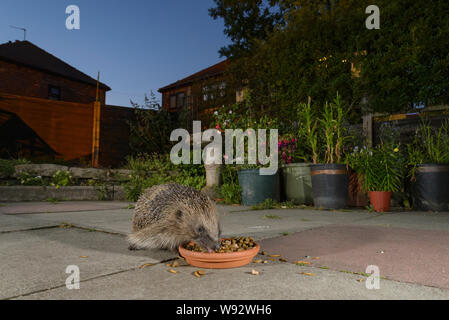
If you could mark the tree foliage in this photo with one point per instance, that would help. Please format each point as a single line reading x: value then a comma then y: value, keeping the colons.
x: 319, y: 48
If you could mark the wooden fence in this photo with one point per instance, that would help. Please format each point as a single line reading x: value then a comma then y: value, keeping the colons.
x: 67, y: 127
x: 404, y: 125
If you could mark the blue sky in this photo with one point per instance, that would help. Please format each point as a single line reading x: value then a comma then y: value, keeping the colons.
x: 137, y: 45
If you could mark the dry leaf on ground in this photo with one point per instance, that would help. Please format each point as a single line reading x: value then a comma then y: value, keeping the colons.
x: 173, y: 271
x: 146, y: 265
x: 302, y: 262
x: 255, y: 272
x: 308, y: 274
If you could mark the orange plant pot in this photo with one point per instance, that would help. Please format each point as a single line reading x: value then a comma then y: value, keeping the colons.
x: 219, y: 260
x: 380, y: 200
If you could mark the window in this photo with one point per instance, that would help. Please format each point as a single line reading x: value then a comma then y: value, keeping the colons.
x: 173, y: 101
x: 54, y: 93
x: 180, y: 100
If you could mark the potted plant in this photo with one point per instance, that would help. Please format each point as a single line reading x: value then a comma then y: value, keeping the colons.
x: 329, y: 174
x: 428, y: 157
x: 381, y: 168
x: 296, y: 180
x: 255, y: 188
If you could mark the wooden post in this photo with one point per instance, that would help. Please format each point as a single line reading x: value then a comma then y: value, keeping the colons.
x: 368, y: 129
x: 96, y: 134
x: 96, y: 128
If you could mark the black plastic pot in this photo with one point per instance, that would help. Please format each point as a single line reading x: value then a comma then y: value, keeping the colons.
x: 330, y: 184
x: 431, y: 189
x: 257, y: 188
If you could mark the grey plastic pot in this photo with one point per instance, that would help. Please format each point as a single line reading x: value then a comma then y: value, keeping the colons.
x: 431, y: 189
x: 257, y: 188
x: 297, y: 183
x: 330, y: 184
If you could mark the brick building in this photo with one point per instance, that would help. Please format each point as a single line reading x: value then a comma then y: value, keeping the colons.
x: 200, y: 93
x: 28, y: 70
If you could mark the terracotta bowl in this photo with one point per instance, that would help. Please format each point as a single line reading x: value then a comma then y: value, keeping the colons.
x: 219, y: 260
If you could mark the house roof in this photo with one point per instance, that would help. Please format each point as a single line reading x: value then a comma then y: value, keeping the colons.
x: 27, y: 54
x: 212, y: 71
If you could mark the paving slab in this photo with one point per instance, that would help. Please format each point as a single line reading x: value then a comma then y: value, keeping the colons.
x: 410, y: 255
x: 63, y: 206
x: 275, y: 281
x: 36, y: 260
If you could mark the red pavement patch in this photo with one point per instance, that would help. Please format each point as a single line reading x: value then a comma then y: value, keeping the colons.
x: 417, y: 256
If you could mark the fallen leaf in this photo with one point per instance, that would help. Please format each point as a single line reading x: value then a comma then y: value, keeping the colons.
x: 308, y: 274
x: 201, y: 272
x: 282, y: 260
x: 84, y: 257
x: 315, y: 258
x: 302, y: 262
x: 272, y: 259
x: 254, y: 272
x: 173, y: 271
x: 196, y: 274
x: 169, y: 265
x: 258, y: 261
x: 175, y: 264
x: 274, y: 255
x: 360, y: 280
x: 146, y: 265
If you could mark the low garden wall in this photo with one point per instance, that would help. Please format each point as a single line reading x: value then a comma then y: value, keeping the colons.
x: 40, y: 182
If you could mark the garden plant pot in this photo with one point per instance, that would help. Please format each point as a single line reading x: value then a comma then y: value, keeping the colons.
x: 330, y: 184
x: 257, y: 188
x: 219, y: 260
x: 297, y: 183
x: 380, y: 200
x: 431, y: 188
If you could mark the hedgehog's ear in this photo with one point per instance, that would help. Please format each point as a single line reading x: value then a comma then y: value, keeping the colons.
x: 179, y: 214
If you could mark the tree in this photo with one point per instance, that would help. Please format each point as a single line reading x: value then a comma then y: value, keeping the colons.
x: 150, y: 132
x: 320, y: 43
x: 246, y: 21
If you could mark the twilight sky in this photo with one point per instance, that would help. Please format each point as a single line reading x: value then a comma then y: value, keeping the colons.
x: 137, y: 45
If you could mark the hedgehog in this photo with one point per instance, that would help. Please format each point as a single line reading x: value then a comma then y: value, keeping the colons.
x: 167, y: 216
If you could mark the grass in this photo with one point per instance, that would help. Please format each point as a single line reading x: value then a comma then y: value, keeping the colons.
x: 53, y: 200
x: 271, y: 216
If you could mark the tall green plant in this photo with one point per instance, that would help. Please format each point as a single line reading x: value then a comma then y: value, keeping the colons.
x: 429, y: 146
x: 327, y: 127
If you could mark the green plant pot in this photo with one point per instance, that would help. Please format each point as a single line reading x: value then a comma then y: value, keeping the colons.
x: 257, y: 188
x: 297, y: 183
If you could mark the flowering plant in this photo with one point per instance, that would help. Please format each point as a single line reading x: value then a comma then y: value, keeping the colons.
x: 381, y: 167
x: 287, y: 149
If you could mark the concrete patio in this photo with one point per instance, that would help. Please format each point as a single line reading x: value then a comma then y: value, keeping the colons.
x: 38, y: 240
